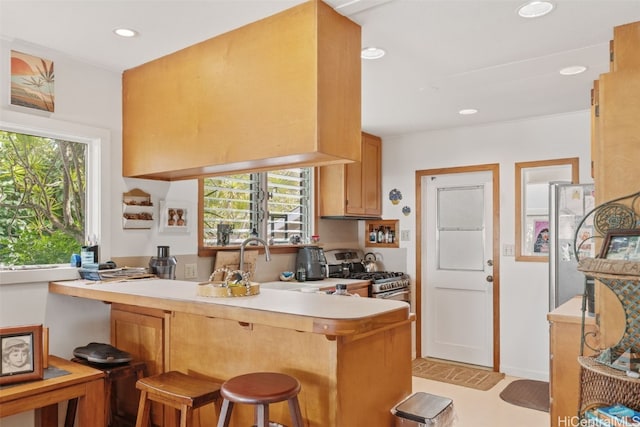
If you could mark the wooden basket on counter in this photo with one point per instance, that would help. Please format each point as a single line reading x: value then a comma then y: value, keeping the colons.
x: 230, y: 286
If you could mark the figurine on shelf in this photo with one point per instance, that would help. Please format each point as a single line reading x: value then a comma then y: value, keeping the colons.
x: 180, y: 222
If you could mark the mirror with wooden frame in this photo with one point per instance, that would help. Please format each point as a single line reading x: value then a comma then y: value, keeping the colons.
x: 532, y: 204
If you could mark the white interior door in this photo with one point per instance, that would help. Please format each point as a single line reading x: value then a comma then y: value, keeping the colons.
x: 457, y: 281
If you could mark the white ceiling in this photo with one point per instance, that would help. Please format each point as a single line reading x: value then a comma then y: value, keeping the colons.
x: 442, y: 55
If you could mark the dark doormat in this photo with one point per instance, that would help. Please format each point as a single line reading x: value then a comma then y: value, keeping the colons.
x: 530, y: 394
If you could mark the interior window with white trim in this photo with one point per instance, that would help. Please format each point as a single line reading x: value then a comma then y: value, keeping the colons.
x: 43, y: 206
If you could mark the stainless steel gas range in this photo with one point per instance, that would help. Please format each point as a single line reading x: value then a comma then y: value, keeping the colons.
x: 349, y: 264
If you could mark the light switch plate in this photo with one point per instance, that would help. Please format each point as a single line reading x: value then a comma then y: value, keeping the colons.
x: 190, y: 271
x: 405, y: 235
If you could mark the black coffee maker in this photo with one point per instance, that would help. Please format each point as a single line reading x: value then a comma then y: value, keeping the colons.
x: 313, y: 261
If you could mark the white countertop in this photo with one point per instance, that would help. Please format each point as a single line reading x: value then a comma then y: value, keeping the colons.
x: 294, y: 285
x: 165, y: 294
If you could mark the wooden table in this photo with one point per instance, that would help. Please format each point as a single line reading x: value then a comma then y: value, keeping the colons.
x: 82, y: 382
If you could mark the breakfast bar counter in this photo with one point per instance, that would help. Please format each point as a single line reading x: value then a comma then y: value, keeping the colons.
x: 352, y: 355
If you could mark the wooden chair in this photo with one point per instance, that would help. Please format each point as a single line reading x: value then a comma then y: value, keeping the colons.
x: 177, y: 390
x: 260, y: 389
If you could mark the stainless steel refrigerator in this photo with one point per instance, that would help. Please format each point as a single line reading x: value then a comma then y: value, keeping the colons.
x: 568, y: 205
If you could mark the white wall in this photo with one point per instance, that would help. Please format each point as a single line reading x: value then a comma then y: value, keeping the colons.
x: 523, y: 285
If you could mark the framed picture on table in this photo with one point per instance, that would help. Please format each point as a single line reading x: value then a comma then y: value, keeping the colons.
x: 21, y: 353
x: 622, y: 245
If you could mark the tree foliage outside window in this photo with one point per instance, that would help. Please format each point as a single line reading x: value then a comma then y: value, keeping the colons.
x: 276, y: 204
x: 42, y: 199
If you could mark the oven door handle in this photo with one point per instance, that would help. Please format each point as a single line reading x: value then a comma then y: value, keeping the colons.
x: 394, y: 294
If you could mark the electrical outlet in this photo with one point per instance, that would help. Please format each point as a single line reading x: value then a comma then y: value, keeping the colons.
x: 508, y: 249
x: 190, y: 271
x: 405, y: 235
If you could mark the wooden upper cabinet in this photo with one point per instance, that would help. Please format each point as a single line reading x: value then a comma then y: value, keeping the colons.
x: 354, y: 189
x: 616, y: 150
x: 624, y: 47
x: 615, y: 127
x: 284, y: 91
x: 595, y: 130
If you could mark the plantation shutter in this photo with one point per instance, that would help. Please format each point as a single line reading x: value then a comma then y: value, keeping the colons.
x: 277, y: 204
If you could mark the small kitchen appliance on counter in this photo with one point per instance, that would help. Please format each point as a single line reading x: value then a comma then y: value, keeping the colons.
x: 312, y: 260
x: 163, y: 265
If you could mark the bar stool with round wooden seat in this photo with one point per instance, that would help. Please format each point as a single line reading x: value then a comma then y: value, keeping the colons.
x: 180, y: 391
x: 260, y: 389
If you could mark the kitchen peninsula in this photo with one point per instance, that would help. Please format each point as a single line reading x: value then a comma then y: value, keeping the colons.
x: 351, y: 355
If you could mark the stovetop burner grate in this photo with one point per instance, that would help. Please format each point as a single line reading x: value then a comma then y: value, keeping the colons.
x: 378, y: 276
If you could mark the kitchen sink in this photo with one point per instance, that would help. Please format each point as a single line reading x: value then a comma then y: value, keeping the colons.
x: 290, y: 286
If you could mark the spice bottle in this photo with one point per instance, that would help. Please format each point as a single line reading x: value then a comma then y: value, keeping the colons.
x: 341, y: 289
x: 373, y: 236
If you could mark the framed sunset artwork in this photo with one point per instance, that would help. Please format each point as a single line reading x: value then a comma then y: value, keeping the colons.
x: 32, y: 82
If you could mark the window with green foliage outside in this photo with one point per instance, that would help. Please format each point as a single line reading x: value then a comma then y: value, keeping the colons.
x: 275, y: 204
x: 42, y: 199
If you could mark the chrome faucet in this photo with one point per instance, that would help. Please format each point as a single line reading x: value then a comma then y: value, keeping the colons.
x: 267, y: 254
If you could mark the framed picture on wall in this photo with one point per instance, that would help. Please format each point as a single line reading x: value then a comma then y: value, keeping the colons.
x: 541, y: 237
x: 175, y: 217
x: 21, y: 353
x: 622, y: 245
x: 32, y: 82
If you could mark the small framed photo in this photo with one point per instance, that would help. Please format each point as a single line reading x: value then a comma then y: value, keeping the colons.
x: 21, y: 353
x: 621, y: 245
x: 541, y: 236
x: 175, y: 217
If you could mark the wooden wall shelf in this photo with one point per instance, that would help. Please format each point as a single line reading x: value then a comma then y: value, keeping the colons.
x: 389, y: 227
x: 137, y: 210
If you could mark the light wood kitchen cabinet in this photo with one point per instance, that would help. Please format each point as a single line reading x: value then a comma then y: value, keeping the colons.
x: 616, y: 146
x: 354, y: 189
x: 624, y: 47
x: 565, y: 325
x: 141, y: 332
x: 261, y: 97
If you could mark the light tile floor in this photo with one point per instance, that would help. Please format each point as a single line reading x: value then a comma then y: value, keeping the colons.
x: 476, y: 408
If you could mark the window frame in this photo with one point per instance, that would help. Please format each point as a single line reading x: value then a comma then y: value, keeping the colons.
x: 209, y: 251
x: 97, y: 188
x: 572, y: 163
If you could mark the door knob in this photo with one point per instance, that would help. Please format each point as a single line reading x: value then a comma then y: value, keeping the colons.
x: 490, y: 263
x: 489, y: 278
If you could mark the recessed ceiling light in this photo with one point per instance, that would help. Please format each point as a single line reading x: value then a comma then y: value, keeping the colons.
x: 535, y: 9
x: 372, y: 53
x: 573, y: 70
x: 125, y: 32
x: 467, y: 111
